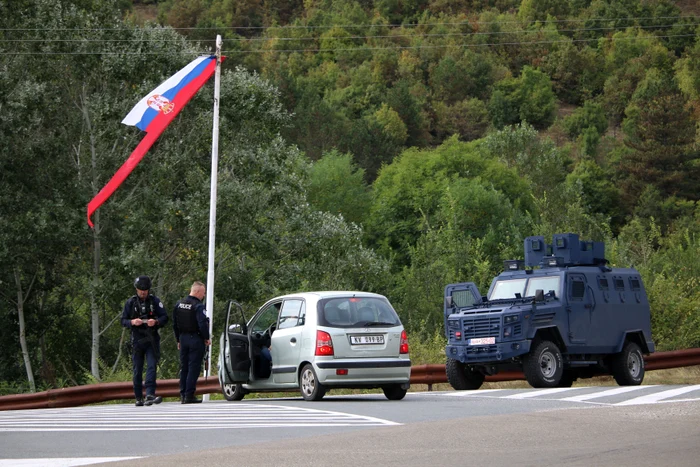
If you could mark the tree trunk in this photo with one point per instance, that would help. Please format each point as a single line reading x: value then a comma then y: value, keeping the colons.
x: 22, y: 332
x: 94, y: 309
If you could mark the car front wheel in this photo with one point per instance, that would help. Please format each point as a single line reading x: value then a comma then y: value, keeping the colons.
x: 311, y: 389
x: 233, y: 392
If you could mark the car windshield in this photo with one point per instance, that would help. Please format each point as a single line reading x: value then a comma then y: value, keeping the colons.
x: 509, y: 288
x: 352, y: 312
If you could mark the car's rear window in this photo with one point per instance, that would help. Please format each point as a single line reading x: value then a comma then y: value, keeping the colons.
x: 350, y: 312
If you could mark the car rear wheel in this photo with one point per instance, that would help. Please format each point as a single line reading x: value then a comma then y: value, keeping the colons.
x: 233, y: 392
x: 628, y: 365
x: 311, y: 389
x: 543, y: 366
x: 463, y: 377
x: 394, y: 392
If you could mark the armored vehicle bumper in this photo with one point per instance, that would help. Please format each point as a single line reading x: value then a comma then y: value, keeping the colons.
x: 499, y: 352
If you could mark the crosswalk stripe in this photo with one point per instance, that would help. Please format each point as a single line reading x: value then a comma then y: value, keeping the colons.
x: 537, y: 393
x: 172, y: 417
x: 609, y: 392
x: 659, y: 396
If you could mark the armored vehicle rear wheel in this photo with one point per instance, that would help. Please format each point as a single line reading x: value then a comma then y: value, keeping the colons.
x: 463, y: 377
x: 628, y: 365
x: 543, y: 366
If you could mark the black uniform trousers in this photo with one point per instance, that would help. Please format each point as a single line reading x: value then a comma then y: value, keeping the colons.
x: 191, y: 354
x: 147, y: 350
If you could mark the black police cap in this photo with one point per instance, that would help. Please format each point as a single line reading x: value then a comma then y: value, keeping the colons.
x: 143, y: 283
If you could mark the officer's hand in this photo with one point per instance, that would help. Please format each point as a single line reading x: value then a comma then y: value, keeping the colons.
x: 152, y: 322
x: 207, y: 342
x: 136, y: 322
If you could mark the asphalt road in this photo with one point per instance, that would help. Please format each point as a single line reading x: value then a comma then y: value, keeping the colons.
x: 601, y: 426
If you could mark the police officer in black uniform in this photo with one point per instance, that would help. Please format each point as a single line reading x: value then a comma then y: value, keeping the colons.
x: 191, y: 327
x: 144, y: 314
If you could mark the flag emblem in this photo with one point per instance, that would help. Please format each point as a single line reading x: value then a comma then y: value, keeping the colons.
x: 160, y: 103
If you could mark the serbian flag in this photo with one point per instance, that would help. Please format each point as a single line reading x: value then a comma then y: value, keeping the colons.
x: 153, y: 114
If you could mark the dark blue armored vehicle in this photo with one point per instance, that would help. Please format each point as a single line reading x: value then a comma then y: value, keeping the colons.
x: 560, y: 315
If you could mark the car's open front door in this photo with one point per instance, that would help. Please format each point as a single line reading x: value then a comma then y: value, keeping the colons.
x: 235, y: 347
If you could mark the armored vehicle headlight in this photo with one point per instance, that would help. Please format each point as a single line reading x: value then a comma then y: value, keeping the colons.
x: 511, y: 319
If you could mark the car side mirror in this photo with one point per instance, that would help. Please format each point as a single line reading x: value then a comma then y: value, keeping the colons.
x: 235, y: 328
x: 448, y: 301
x: 539, y: 295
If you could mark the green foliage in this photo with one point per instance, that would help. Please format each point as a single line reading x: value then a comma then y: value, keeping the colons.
x: 337, y: 185
x: 591, y: 115
x: 408, y: 192
x: 528, y: 98
x: 660, y: 130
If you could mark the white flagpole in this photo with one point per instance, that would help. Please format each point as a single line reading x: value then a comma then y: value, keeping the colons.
x: 212, y: 203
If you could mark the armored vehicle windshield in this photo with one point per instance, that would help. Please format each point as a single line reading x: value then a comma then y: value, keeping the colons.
x: 525, y: 287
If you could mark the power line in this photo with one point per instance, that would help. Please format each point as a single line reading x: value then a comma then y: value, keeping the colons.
x: 390, y: 36
x: 372, y: 25
x: 349, y: 49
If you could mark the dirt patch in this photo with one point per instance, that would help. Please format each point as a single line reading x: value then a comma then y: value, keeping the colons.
x: 688, y: 7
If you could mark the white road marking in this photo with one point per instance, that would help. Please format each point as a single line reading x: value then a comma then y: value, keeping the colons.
x: 659, y: 396
x: 174, y: 417
x: 60, y: 462
x: 609, y: 392
x: 537, y: 393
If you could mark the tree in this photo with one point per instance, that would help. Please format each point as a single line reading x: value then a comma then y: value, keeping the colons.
x: 660, y: 130
x: 337, y: 185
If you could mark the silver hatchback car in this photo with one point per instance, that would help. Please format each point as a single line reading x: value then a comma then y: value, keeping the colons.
x: 313, y: 342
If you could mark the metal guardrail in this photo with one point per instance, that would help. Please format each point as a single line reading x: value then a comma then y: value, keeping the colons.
x: 420, y: 374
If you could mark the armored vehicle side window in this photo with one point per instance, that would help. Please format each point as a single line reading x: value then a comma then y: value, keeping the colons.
x: 508, y: 289
x: 619, y: 284
x: 603, y: 283
x: 462, y: 298
x: 542, y: 283
x: 634, y: 283
x: 578, y: 289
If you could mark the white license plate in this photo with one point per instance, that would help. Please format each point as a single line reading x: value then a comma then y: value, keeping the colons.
x: 481, y: 341
x: 366, y: 340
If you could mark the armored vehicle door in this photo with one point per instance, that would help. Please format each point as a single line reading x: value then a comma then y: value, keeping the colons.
x: 235, y: 346
x: 461, y: 295
x: 580, y: 309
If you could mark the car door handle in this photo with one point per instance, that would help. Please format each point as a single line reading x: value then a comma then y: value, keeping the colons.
x: 293, y: 340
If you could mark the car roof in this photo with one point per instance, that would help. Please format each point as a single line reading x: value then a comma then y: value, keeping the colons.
x: 331, y: 294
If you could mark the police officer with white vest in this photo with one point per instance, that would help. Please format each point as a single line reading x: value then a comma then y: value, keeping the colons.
x: 191, y: 327
x: 144, y: 314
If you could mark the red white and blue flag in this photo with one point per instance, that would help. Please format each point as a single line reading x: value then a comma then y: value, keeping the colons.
x: 153, y: 114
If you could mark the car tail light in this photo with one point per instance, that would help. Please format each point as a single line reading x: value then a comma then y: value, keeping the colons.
x: 403, y: 348
x: 324, y: 344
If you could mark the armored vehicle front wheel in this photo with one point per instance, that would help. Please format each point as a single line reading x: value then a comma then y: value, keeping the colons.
x: 567, y: 379
x: 628, y: 365
x: 543, y: 366
x: 233, y: 392
x: 463, y: 377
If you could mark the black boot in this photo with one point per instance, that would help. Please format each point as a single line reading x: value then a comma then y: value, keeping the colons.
x: 151, y: 399
x: 191, y: 400
x: 139, y: 402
